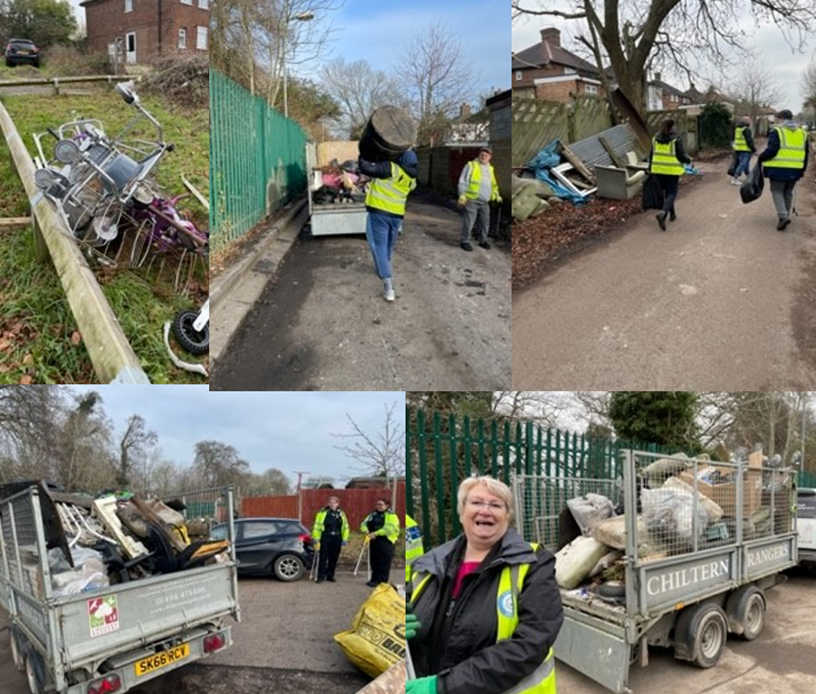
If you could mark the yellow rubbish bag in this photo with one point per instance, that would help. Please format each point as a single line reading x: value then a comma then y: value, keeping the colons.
x: 377, y: 637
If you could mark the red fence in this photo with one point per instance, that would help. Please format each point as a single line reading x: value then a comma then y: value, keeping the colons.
x: 357, y: 503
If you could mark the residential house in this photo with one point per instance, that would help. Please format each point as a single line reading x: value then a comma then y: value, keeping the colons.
x: 139, y: 31
x: 548, y: 71
x: 662, y: 96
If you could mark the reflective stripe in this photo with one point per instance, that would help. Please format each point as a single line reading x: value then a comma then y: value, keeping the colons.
x: 740, y: 145
x: 390, y: 194
x: 320, y: 519
x: 791, y: 154
x: 413, y: 545
x: 475, y: 180
x: 539, y: 681
x: 664, y: 159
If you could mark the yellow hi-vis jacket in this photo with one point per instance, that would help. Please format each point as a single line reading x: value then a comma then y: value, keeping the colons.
x: 664, y: 159
x: 390, y: 529
x: 542, y: 679
x: 740, y: 145
x: 320, y: 518
x: 791, y: 154
x: 413, y: 545
x: 474, y: 177
x: 390, y: 194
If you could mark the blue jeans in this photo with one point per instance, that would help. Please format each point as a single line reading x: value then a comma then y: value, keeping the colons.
x: 382, y: 231
x: 743, y: 164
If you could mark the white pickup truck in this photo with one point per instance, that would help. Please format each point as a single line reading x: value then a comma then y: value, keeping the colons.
x: 806, y: 523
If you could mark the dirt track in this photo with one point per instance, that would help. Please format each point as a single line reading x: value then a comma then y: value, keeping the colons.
x: 322, y: 324
x: 720, y: 301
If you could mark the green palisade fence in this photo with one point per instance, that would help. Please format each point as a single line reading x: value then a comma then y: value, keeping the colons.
x: 442, y: 450
x: 257, y: 160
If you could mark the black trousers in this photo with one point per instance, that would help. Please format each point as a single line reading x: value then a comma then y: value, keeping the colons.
x: 382, y: 553
x: 330, y: 546
x: 669, y: 186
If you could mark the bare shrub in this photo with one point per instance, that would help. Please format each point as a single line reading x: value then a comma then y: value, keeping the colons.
x: 183, y: 78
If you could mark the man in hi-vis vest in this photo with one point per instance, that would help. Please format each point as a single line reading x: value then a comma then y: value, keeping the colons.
x: 385, y: 201
x: 477, y: 189
x: 785, y: 160
x: 413, y: 545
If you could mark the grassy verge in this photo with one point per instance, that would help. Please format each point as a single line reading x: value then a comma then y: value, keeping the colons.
x: 39, y: 341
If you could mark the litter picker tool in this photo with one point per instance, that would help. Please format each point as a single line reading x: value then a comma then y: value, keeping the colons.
x: 360, y: 558
x: 315, y: 566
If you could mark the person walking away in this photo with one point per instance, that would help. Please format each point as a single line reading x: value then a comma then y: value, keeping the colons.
x: 744, y: 147
x: 413, y: 545
x: 666, y: 162
x: 331, y: 532
x: 385, y: 201
x: 784, y: 162
x: 477, y: 189
x: 484, y: 609
x: 382, y: 527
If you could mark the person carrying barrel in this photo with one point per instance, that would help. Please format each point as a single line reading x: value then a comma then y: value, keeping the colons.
x: 387, y: 158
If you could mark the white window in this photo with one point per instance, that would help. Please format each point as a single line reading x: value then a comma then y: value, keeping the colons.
x: 182, y: 39
x: 518, y: 75
x: 204, y: 4
x: 591, y: 88
x: 186, y: 2
x: 201, y: 38
x: 128, y: 6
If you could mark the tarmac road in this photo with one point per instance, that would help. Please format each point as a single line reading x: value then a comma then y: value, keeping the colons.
x: 720, y: 301
x: 321, y: 323
x: 284, y: 643
x: 780, y: 660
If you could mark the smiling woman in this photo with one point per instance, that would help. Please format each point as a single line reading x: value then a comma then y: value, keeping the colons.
x: 471, y: 595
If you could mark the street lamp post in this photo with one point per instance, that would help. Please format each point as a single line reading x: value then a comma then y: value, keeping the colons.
x: 300, y: 17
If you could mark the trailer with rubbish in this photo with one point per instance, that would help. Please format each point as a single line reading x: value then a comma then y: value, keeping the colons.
x: 80, y: 625
x: 340, y: 209
x: 686, y: 561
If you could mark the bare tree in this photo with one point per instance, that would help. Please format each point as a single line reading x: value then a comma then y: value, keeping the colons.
x: 809, y: 90
x: 438, y: 78
x: 545, y: 408
x: 359, y: 89
x: 218, y: 464
x: 381, y: 453
x: 634, y: 32
x: 134, y: 445
x: 755, y: 87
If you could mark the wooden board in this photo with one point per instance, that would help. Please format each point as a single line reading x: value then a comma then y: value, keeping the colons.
x: 392, y: 681
x: 15, y: 223
x: 579, y: 166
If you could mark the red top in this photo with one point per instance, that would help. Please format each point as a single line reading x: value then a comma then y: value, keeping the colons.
x: 467, y: 567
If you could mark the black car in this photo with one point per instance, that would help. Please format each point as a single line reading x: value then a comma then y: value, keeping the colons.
x: 279, y: 547
x: 22, y: 51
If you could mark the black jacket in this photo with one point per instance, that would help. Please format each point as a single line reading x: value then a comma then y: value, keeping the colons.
x: 457, y: 640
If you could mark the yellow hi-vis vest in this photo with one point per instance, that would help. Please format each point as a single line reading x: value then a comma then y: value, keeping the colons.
x: 791, y: 154
x: 390, y: 194
x: 413, y: 545
x: 320, y: 519
x: 389, y: 530
x: 542, y: 679
x: 475, y: 181
x: 740, y: 145
x: 664, y: 159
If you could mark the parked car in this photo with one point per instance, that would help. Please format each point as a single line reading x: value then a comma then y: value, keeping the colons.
x: 22, y: 51
x: 279, y: 547
x: 806, y: 523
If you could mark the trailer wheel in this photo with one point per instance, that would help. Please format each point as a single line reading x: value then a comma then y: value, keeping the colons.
x: 17, y: 649
x: 746, y: 612
x: 35, y: 672
x: 194, y: 341
x: 700, y: 634
x: 288, y: 567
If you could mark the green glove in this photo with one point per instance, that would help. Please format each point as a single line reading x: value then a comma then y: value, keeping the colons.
x: 424, y: 685
x: 412, y: 625
x: 498, y: 199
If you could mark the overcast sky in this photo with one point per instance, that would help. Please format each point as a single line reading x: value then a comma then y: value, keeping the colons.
x: 288, y: 431
x: 768, y: 41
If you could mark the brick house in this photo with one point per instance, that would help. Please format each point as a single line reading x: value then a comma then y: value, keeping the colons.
x: 142, y: 30
x: 662, y: 96
x: 548, y: 71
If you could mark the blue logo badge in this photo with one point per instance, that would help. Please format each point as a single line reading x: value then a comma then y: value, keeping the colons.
x: 506, y: 604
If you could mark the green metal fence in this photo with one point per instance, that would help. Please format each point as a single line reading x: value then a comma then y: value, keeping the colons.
x: 806, y: 479
x: 443, y: 450
x: 257, y: 160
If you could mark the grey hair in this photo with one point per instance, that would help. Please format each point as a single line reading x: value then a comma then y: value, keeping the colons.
x: 494, y: 486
